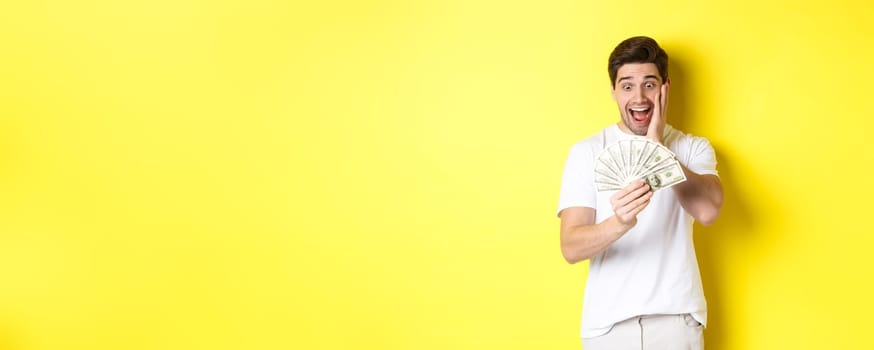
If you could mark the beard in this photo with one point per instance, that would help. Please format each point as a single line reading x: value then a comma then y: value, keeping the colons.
x: 639, y: 130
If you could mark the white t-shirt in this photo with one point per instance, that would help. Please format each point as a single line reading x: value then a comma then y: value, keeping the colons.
x: 652, y: 269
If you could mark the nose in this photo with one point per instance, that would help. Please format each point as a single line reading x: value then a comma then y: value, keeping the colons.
x: 639, y: 95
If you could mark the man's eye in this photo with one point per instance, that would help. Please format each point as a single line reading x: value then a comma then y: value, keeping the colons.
x: 650, y: 85
x: 626, y: 87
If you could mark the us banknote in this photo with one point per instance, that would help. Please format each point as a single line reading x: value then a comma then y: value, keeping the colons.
x: 629, y: 160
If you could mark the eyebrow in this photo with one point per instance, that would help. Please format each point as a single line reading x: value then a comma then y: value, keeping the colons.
x: 644, y: 78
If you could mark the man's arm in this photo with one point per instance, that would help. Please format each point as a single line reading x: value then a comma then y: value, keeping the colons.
x: 700, y: 196
x: 582, y: 238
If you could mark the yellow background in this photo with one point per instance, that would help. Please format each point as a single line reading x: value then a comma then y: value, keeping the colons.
x: 260, y: 174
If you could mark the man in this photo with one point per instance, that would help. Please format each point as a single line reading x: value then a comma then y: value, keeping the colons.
x: 644, y: 288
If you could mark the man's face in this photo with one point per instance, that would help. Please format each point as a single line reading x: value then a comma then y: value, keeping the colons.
x: 637, y: 85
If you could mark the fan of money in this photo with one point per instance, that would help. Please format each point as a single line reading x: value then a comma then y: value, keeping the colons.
x: 628, y: 160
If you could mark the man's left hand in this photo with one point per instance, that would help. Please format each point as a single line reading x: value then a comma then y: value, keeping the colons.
x: 656, y: 129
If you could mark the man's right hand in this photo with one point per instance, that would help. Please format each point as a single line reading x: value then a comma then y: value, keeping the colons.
x: 630, y: 201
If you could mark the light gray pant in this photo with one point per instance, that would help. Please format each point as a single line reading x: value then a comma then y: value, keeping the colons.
x: 655, y: 332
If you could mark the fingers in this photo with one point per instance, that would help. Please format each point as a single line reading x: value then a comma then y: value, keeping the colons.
x: 640, y: 203
x: 663, y: 97
x: 657, y: 124
x: 628, y: 214
x: 628, y: 190
x: 630, y: 201
x: 633, y: 199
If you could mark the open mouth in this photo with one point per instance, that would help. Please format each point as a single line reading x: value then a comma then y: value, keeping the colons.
x: 640, y: 114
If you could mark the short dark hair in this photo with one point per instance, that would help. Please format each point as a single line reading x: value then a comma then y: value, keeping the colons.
x: 638, y: 49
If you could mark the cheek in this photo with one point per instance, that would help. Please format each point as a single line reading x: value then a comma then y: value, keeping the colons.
x: 619, y: 98
x: 620, y: 103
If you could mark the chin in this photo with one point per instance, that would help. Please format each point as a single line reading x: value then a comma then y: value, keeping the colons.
x: 638, y: 131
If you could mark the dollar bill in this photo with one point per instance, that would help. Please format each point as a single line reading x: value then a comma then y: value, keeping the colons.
x: 638, y: 150
x: 665, y: 177
x: 606, y: 159
x: 625, y: 152
x: 607, y: 186
x: 615, y: 156
x: 605, y: 172
x: 659, y: 157
x: 634, y: 159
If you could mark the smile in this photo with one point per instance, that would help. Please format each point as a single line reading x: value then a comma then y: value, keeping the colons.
x: 640, y: 113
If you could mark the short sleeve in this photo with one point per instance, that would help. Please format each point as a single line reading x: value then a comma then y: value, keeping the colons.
x: 702, y: 158
x: 577, y: 183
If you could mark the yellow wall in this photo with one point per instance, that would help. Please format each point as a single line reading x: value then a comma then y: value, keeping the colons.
x: 383, y: 174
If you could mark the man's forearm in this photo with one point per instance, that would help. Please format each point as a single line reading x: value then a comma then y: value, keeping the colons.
x: 583, y: 242
x: 700, y: 196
